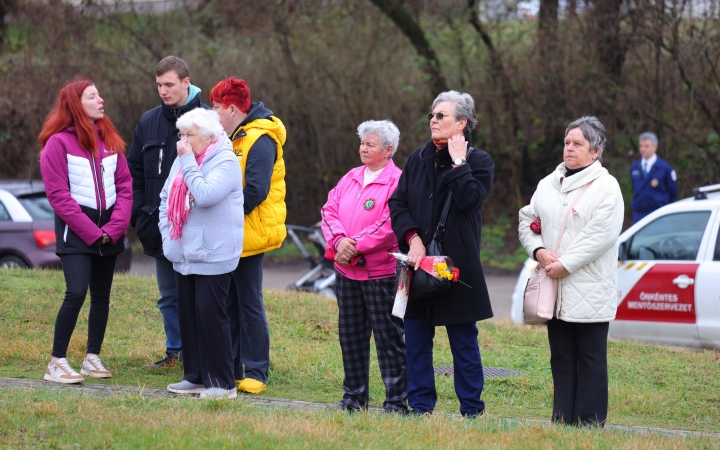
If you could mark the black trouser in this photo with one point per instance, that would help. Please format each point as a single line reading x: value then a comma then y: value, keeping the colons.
x: 248, y: 324
x: 81, y: 271
x: 365, y: 307
x: 578, y: 359
x: 205, y: 329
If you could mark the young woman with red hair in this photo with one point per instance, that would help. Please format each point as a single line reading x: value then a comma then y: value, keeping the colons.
x: 88, y: 185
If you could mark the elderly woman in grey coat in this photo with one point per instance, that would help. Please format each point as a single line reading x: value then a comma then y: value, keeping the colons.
x: 201, y: 223
x: 581, y: 190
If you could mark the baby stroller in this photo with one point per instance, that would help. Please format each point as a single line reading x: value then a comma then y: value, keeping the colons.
x: 321, y: 277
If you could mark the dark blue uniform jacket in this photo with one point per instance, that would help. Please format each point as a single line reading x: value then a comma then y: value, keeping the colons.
x: 654, y: 190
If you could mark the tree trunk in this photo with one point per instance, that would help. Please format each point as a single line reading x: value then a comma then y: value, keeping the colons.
x: 518, y: 148
x: 611, y: 48
x: 411, y: 29
x: 6, y: 7
x: 552, y: 88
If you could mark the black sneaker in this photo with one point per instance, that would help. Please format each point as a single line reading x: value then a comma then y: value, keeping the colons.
x: 342, y: 406
x: 399, y: 412
x: 475, y: 415
x: 169, y: 361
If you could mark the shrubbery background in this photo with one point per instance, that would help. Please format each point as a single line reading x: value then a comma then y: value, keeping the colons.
x: 324, y: 66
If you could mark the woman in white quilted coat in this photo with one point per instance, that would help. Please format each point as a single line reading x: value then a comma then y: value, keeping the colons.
x: 585, y: 266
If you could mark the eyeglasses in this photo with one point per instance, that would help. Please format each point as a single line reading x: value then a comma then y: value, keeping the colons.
x: 439, y: 116
x: 187, y: 135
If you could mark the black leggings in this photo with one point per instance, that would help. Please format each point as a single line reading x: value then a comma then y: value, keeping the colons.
x: 83, y: 271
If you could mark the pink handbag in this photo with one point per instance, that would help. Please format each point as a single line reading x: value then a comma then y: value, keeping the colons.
x: 541, y: 291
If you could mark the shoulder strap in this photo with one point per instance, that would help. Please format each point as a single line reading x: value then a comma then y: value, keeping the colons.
x: 440, y: 231
x: 567, y: 216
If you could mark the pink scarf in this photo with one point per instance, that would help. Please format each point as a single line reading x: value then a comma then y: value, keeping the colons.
x: 179, y: 199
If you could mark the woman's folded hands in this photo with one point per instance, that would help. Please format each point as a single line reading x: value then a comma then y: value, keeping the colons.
x: 548, y: 260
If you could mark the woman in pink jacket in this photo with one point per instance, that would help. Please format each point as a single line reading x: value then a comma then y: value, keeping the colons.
x: 88, y: 185
x: 356, y: 225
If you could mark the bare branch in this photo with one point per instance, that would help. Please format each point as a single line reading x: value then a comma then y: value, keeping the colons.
x: 410, y: 28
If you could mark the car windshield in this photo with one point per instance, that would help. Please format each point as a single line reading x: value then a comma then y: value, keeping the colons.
x: 38, y: 206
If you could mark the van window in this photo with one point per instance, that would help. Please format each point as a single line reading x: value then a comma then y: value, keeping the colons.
x: 671, y: 237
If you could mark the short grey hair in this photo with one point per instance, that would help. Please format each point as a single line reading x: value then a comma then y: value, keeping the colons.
x: 464, y: 107
x: 593, y: 131
x: 386, y: 131
x: 649, y: 136
x: 206, y: 120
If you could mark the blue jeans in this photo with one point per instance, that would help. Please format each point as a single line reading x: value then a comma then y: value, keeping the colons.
x: 168, y: 303
x: 469, y: 379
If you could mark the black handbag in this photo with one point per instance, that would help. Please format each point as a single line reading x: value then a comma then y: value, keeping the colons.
x: 423, y: 285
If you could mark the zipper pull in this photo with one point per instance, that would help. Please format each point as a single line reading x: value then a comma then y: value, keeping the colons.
x: 160, y: 162
x: 102, y: 175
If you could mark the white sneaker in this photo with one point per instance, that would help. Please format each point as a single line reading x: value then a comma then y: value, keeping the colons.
x: 61, y: 372
x: 186, y: 387
x: 93, y: 367
x: 213, y: 393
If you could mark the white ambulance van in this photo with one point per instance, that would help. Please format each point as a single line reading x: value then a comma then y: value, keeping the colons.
x: 668, y: 275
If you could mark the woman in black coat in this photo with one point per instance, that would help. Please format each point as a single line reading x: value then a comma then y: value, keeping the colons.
x: 444, y: 165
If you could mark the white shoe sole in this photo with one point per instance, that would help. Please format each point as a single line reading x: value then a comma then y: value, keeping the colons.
x: 49, y: 377
x: 187, y: 391
x: 228, y: 396
x: 87, y: 373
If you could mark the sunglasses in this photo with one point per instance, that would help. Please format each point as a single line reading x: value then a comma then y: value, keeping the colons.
x: 439, y: 116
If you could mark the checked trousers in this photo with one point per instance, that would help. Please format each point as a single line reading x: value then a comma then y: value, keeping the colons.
x: 365, y: 308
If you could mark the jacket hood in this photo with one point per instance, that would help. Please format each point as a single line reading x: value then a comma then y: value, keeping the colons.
x: 261, y: 117
x: 73, y: 129
x: 580, y: 179
x: 257, y: 111
x: 193, y: 91
x: 223, y: 145
x: 193, y: 102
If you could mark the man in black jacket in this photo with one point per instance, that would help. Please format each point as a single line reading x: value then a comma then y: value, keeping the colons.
x: 151, y: 155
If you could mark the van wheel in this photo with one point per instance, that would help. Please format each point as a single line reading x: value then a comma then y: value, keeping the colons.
x: 12, y: 262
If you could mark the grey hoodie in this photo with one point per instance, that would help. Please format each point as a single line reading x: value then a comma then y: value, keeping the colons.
x: 211, y: 241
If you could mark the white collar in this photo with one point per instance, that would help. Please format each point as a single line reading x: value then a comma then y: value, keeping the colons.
x: 650, y: 161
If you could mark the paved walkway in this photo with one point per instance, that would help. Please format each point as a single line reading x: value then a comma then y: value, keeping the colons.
x: 107, y: 390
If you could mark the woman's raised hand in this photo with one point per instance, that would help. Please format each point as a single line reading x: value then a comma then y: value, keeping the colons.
x: 457, y: 147
x: 183, y: 147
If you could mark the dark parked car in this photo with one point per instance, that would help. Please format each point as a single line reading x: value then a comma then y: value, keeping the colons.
x: 27, y: 228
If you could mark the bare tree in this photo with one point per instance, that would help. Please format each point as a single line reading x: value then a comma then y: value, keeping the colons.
x: 6, y: 7
x: 412, y: 30
x: 517, y: 148
x: 550, y: 52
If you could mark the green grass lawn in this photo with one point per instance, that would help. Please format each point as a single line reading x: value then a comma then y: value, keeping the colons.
x: 649, y: 385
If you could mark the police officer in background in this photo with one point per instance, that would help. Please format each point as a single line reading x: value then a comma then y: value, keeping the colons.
x: 654, y: 180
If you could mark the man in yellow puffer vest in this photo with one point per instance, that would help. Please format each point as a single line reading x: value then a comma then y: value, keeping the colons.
x: 257, y: 137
